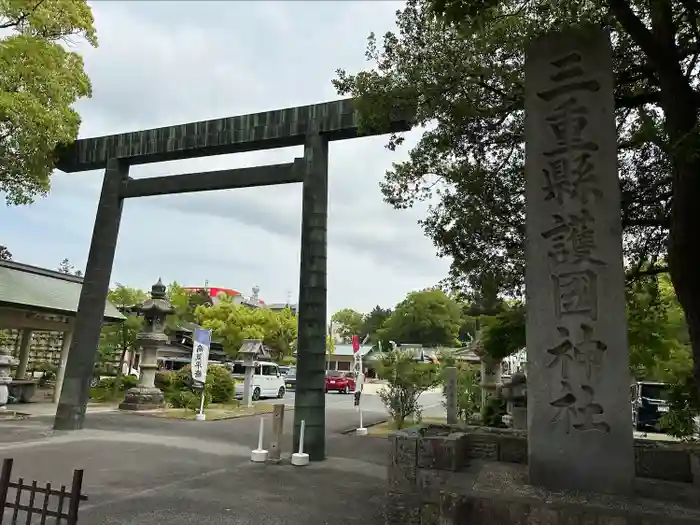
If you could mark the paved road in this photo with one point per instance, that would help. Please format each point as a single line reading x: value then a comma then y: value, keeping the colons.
x: 431, y: 402
x: 142, y: 470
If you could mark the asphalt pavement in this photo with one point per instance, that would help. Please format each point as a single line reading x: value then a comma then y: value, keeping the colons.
x: 431, y: 403
x: 142, y: 470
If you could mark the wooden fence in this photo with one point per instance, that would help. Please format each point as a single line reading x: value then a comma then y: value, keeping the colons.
x: 63, y: 511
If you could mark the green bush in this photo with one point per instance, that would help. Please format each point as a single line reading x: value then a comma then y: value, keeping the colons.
x: 187, y: 399
x: 407, y: 380
x: 127, y: 382
x: 220, y: 384
x: 684, y: 406
x: 107, y: 383
x: 182, y: 379
x: 164, y: 380
x: 493, y: 412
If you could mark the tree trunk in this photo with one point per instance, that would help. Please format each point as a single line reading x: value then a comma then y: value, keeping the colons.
x: 120, y: 372
x: 684, y: 248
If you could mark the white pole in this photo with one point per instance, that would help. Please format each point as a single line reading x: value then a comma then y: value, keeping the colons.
x: 201, y: 416
x: 260, y: 434
x: 301, y: 438
x: 362, y: 431
x: 259, y: 455
x: 299, y: 459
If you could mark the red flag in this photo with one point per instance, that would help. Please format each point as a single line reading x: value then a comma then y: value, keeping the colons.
x: 355, y: 344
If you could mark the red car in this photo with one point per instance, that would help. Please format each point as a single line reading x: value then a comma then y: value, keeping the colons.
x: 343, y: 382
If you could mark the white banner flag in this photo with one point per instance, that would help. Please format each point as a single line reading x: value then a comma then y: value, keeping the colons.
x: 200, y: 354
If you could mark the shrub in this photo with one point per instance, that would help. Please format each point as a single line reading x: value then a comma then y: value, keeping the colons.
x: 407, y: 380
x: 164, y: 380
x: 107, y: 383
x: 220, y: 384
x: 684, y: 407
x: 182, y: 379
x: 128, y: 382
x: 493, y: 412
x: 189, y: 400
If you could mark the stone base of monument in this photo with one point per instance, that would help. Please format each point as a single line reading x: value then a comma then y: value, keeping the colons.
x: 142, y: 398
x: 451, y: 476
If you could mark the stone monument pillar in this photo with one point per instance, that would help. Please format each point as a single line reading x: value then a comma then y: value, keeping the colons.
x: 145, y: 396
x: 579, y: 428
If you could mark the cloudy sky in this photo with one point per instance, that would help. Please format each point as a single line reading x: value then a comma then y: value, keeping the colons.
x: 161, y: 63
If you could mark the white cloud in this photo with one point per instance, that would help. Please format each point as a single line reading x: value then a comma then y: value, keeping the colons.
x: 161, y: 63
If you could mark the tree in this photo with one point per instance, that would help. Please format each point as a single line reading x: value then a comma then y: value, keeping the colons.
x: 428, y: 317
x: 407, y: 380
x: 373, y: 322
x: 467, y: 79
x: 117, y: 339
x: 657, y: 332
x: 232, y: 323
x: 5, y: 254
x: 349, y: 323
x: 282, y: 331
x: 40, y: 80
x: 67, y: 267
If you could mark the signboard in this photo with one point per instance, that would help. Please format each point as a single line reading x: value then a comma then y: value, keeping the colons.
x: 200, y: 354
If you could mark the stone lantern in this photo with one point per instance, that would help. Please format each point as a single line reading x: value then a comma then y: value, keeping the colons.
x: 145, y: 396
x: 6, y: 361
x: 250, y: 349
x: 515, y: 394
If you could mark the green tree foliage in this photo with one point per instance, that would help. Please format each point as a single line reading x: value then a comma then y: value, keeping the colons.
x: 428, y: 317
x: 464, y: 82
x: 40, y: 80
x: 232, y: 323
x: 373, y: 322
x: 406, y: 381
x: 5, y: 254
x: 656, y: 327
x: 185, y: 302
x: 349, y: 323
x: 504, y: 333
x: 116, y: 339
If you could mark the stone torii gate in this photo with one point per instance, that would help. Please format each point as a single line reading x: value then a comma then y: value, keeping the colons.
x: 313, y: 127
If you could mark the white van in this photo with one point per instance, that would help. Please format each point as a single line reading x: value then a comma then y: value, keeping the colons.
x: 267, y: 380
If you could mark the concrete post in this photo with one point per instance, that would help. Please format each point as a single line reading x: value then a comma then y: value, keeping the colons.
x: 451, y: 394
x: 75, y: 393
x: 277, y: 433
x: 61, y: 372
x: 24, y: 348
x: 310, y: 401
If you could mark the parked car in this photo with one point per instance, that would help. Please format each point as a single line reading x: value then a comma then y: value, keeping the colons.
x: 267, y: 380
x: 343, y: 382
x: 649, y: 403
x: 290, y: 379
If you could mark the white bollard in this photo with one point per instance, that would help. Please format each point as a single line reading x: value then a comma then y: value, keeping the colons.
x: 362, y: 431
x: 259, y: 455
x: 300, y: 459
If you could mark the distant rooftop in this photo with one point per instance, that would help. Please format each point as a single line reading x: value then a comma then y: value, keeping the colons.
x: 32, y: 288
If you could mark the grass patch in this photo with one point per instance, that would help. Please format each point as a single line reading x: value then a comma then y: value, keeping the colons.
x: 386, y: 428
x: 215, y: 411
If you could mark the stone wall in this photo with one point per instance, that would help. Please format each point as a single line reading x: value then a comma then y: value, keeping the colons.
x: 430, y: 467
x: 653, y: 459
